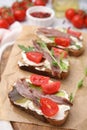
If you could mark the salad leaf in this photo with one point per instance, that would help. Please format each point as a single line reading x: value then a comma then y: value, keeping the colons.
x: 78, y: 46
x: 61, y: 64
x: 86, y: 72
x: 71, y: 98
x: 80, y: 83
x: 26, y: 49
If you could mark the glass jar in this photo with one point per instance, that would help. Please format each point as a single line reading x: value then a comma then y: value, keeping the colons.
x: 60, y: 6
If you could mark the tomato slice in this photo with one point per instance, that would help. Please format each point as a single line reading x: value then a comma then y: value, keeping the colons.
x: 38, y: 79
x: 51, y: 87
x: 48, y: 107
x: 58, y: 52
x: 61, y: 41
x: 34, y: 56
x: 74, y: 33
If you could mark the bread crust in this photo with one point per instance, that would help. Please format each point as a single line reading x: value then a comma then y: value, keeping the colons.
x: 76, y: 53
x: 32, y: 69
x: 71, y: 52
x: 42, y: 117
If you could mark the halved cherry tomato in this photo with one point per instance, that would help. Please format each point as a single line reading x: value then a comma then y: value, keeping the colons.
x: 34, y: 56
x: 38, y: 79
x: 74, y: 33
x: 48, y: 107
x: 61, y: 41
x: 58, y: 52
x: 51, y: 87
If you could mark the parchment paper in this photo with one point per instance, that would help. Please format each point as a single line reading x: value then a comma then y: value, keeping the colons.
x: 78, y: 113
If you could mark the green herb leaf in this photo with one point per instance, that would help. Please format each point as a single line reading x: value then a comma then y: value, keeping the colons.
x: 26, y: 49
x: 52, y: 52
x: 71, y: 98
x: 80, y: 83
x: 63, y: 65
x: 54, y: 63
x: 86, y: 72
x: 44, y: 46
x: 78, y: 46
x: 52, y: 38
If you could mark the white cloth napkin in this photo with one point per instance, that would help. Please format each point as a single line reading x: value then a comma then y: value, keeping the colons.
x: 5, y: 125
x: 8, y: 36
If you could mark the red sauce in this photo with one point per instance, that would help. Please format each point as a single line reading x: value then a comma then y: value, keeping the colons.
x: 40, y: 14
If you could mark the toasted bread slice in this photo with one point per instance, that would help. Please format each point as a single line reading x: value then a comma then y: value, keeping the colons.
x: 76, y: 47
x: 51, y: 65
x: 41, y: 71
x: 19, y: 99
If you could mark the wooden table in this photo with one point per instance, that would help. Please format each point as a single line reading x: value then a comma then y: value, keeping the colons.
x: 16, y: 125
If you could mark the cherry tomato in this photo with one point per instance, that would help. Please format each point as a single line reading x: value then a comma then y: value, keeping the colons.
x: 65, y: 42
x: 85, y: 22
x: 38, y: 79
x: 28, y: 1
x: 81, y: 12
x: 58, y: 52
x: 39, y: 2
x: 70, y: 13
x: 51, y: 87
x: 4, y: 10
x: 48, y: 107
x: 9, y: 17
x: 25, y: 4
x: 46, y: 1
x: 15, y: 5
x: 34, y: 56
x: 74, y: 33
x: 78, y: 21
x: 4, y: 23
x: 19, y: 14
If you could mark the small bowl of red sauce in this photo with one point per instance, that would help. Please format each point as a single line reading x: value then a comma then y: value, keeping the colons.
x: 40, y: 16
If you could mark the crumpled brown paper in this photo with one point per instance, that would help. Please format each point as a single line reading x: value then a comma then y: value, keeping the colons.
x: 78, y: 113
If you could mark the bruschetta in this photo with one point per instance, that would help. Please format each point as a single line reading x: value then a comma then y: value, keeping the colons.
x: 40, y: 60
x: 41, y: 97
x: 66, y: 39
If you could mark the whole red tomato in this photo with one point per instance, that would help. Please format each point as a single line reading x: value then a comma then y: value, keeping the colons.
x: 28, y: 0
x: 4, y: 10
x: 25, y: 4
x: 9, y: 17
x: 78, y: 21
x: 81, y: 12
x: 15, y: 5
x: 3, y: 23
x: 19, y: 14
x: 39, y: 2
x: 70, y: 13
